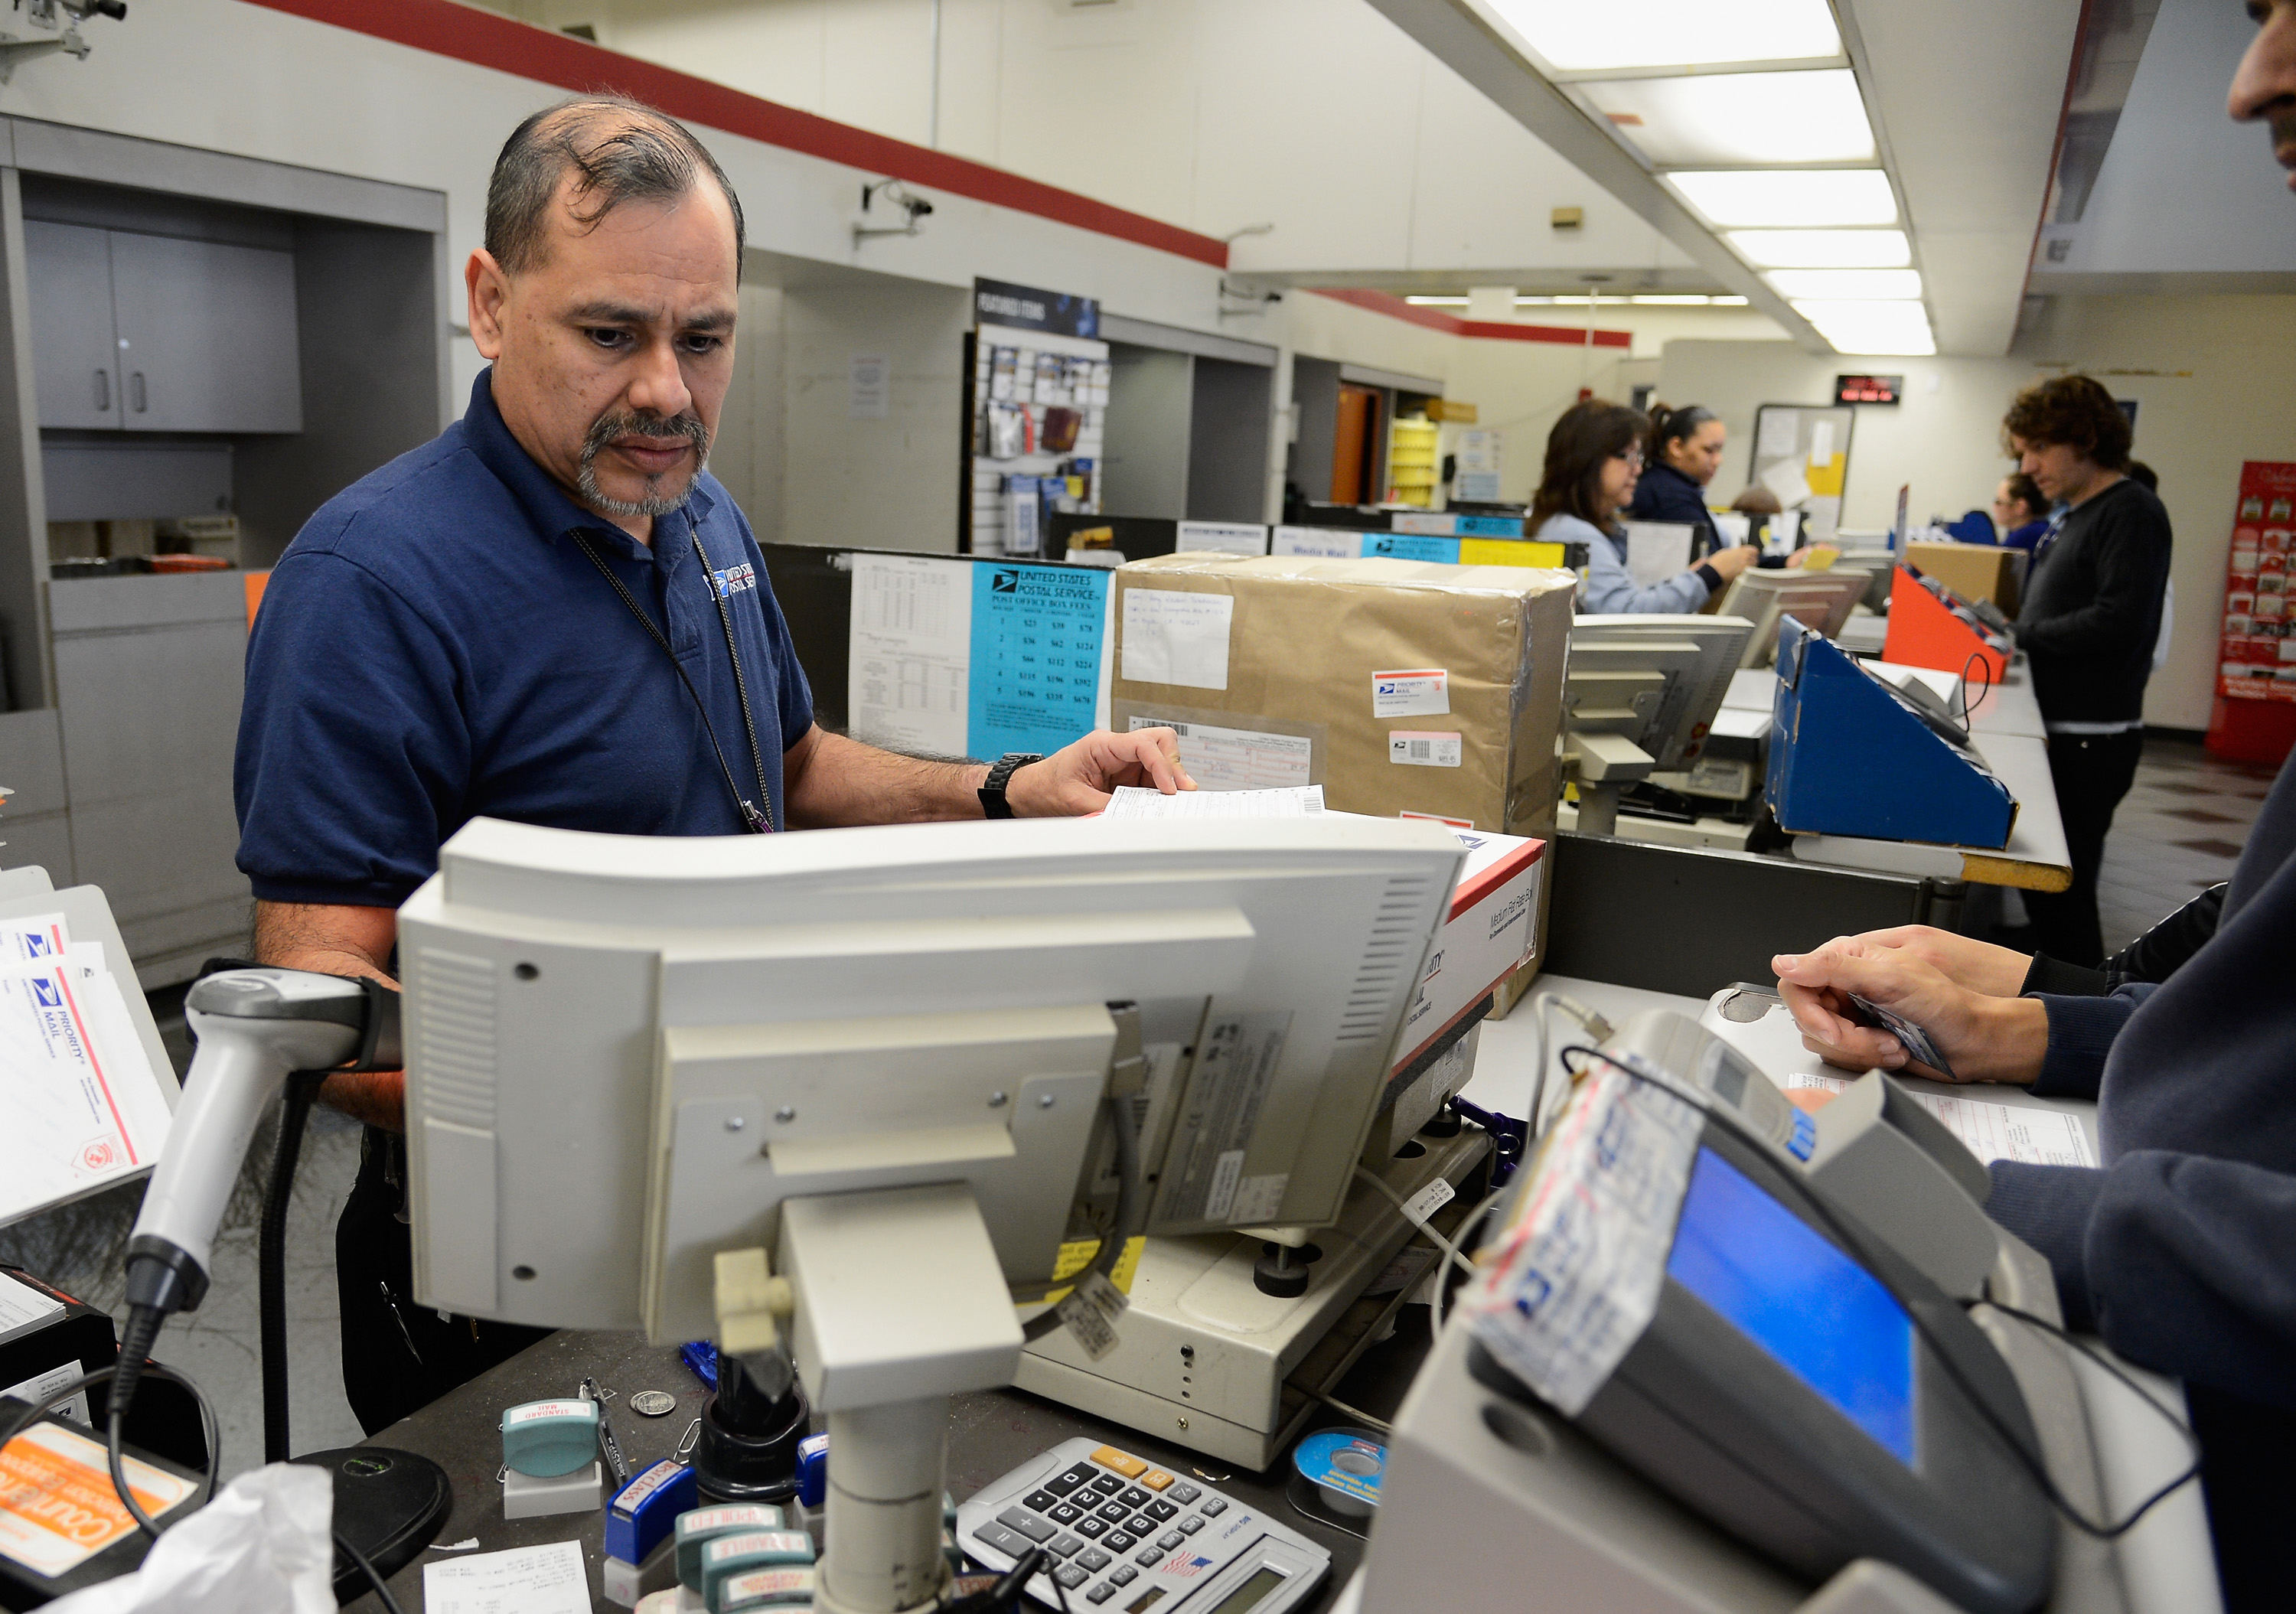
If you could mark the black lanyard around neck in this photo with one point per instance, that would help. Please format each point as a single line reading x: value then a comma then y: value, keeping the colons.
x: 757, y: 816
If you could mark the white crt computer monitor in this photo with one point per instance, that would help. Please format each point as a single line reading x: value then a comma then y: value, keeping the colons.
x: 1818, y: 600
x: 880, y: 1056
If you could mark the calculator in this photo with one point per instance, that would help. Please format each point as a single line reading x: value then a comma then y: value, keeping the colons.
x: 1127, y: 1537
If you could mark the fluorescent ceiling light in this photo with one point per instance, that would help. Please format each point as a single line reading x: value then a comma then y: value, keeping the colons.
x: 1729, y: 302
x: 1844, y: 283
x: 1734, y: 198
x: 1740, y: 117
x: 1699, y: 300
x: 1438, y: 302
x: 1572, y: 36
x: 1822, y: 248
x: 1871, y: 327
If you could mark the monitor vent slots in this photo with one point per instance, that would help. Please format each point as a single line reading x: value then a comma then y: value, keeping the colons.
x: 457, y: 1037
x: 1388, y: 960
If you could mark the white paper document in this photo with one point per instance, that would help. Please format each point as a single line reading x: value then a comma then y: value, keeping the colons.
x: 1176, y: 636
x: 908, y: 666
x: 1295, y: 802
x: 1657, y: 550
x: 1780, y: 434
x: 524, y: 1580
x: 1995, y: 1132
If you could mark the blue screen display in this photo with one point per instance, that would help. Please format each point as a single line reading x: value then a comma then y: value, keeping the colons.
x: 1824, y: 1317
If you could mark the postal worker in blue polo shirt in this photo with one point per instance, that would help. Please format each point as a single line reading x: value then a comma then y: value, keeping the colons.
x: 551, y: 613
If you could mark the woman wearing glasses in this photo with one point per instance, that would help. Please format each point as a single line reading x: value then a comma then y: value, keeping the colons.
x: 1594, y: 459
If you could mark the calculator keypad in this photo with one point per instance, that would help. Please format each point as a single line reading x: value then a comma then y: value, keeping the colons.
x: 1100, y: 1512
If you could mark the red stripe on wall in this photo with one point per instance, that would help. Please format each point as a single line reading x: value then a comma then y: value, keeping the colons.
x: 489, y: 40
x: 1451, y: 324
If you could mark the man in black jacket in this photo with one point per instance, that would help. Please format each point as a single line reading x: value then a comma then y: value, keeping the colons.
x: 2091, y: 616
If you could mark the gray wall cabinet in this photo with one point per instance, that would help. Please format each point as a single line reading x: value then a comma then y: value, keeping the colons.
x: 157, y: 334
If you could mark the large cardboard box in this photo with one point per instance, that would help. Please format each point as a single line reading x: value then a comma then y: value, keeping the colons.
x: 1975, y: 571
x: 1401, y: 687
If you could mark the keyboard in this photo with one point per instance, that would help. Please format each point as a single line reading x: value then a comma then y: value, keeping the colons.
x: 1127, y: 1536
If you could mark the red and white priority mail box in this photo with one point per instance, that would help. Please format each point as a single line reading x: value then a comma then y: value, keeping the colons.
x: 1488, y: 936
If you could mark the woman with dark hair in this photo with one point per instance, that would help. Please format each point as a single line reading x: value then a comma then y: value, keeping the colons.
x: 2022, y: 510
x: 1684, y: 453
x: 1594, y: 459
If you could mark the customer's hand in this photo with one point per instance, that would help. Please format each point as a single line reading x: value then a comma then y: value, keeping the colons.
x: 1729, y: 562
x: 1984, y: 1039
x: 1082, y: 778
x: 1978, y: 965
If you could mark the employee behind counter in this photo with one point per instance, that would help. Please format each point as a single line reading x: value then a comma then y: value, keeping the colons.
x: 553, y: 614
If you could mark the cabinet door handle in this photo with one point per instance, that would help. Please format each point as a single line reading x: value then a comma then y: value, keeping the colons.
x: 103, y: 391
x: 136, y: 391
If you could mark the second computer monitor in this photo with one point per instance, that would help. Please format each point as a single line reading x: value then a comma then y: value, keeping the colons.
x: 1819, y: 600
x: 1654, y: 680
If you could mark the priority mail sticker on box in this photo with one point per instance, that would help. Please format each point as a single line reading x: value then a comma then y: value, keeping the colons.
x: 1422, y: 749
x: 1416, y: 692
x: 1488, y: 935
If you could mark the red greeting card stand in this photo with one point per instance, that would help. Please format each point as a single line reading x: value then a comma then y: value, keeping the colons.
x: 2254, y: 718
x: 1924, y: 633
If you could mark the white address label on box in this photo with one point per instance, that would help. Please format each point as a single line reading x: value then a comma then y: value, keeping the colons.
x: 1417, y: 693
x: 1421, y: 750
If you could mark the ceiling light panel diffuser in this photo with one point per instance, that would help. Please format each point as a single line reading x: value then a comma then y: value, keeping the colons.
x: 1574, y: 37
x: 1871, y: 327
x: 1846, y: 283
x: 1740, y: 117
x: 1731, y: 199
x: 1822, y: 248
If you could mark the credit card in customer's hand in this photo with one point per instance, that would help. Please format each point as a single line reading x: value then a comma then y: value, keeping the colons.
x: 1917, y: 1043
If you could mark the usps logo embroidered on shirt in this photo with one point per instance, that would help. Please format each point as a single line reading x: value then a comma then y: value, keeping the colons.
x: 736, y: 579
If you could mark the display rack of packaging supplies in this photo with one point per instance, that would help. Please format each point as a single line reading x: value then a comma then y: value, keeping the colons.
x: 1851, y: 756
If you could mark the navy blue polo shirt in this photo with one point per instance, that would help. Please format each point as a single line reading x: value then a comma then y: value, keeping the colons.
x: 434, y: 646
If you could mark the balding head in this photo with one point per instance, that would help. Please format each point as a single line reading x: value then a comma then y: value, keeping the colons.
x: 612, y: 149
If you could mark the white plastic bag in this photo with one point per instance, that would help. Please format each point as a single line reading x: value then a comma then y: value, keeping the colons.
x: 264, y: 1546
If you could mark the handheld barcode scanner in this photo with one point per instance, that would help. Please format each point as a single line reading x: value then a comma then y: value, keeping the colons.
x: 255, y: 1027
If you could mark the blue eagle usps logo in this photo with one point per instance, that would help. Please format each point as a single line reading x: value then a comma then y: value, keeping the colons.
x: 736, y: 579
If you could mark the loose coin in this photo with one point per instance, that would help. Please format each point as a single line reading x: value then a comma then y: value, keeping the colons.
x: 653, y: 1404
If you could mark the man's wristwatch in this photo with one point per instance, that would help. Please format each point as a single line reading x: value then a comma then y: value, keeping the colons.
x: 1000, y: 774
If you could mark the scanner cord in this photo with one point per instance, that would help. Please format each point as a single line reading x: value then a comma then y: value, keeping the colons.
x: 1121, y: 1225
x: 2035, y: 1466
x: 271, y: 1259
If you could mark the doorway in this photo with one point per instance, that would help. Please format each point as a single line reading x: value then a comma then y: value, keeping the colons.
x: 1355, y: 447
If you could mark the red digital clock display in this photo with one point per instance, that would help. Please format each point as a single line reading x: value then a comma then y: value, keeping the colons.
x: 1868, y: 388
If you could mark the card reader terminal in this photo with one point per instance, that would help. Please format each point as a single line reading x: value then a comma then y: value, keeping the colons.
x: 1819, y: 1398
x: 1129, y: 1537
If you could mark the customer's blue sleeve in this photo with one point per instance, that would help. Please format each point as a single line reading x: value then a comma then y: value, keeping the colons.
x: 1610, y: 588
x: 2179, y: 1261
x: 2081, y: 1030
x: 354, y: 754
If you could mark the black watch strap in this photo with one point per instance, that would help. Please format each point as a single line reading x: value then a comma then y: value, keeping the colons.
x: 1000, y: 773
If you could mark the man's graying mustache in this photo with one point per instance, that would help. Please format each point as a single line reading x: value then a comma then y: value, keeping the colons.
x: 606, y: 427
